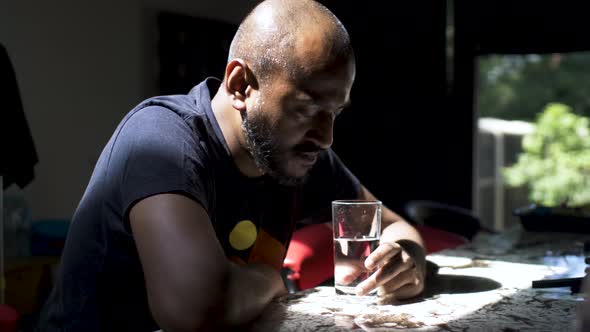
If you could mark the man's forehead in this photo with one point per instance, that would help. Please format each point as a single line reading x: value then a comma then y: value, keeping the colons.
x: 328, y: 80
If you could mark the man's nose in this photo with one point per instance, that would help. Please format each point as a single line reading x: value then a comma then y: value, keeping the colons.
x: 322, y: 132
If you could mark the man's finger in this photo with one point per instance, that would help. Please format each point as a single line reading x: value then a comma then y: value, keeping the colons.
x: 383, y: 275
x: 399, y: 283
x: 412, y: 289
x: 379, y: 256
x: 346, y: 272
x: 407, y: 292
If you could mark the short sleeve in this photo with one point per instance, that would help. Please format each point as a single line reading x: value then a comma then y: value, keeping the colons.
x: 155, y: 152
x: 329, y: 180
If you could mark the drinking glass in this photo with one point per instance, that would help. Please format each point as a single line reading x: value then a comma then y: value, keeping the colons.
x: 357, y: 229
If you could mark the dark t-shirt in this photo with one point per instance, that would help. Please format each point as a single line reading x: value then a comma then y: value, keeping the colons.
x: 174, y: 144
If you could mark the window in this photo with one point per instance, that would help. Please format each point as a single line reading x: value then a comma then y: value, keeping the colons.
x: 511, y: 91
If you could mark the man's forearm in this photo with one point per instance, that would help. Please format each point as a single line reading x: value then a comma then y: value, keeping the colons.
x: 250, y: 289
x: 408, y: 237
x: 400, y: 230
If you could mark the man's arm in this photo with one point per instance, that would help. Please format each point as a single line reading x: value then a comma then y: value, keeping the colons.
x: 190, y: 284
x: 394, y: 227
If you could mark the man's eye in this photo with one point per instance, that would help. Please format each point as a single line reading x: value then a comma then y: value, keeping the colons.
x: 307, y: 112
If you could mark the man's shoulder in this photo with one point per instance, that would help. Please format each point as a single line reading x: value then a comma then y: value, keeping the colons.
x: 183, y: 105
x: 197, y: 102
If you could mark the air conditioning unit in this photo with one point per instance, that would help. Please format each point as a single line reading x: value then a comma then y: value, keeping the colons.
x: 498, y: 144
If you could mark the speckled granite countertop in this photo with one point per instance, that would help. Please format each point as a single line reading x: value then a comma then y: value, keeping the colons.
x: 483, y: 286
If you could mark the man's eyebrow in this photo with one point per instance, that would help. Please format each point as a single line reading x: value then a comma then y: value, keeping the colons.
x: 311, y: 96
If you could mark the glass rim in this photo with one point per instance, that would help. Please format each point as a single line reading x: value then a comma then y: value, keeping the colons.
x: 356, y: 202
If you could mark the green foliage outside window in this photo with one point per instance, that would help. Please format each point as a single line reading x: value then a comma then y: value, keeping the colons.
x: 516, y: 87
x: 555, y: 161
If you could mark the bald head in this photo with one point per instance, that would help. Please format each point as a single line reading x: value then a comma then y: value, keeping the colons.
x: 290, y: 37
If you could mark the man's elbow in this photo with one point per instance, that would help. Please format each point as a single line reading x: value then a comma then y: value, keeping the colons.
x: 173, y: 322
x: 179, y: 316
x: 188, y: 309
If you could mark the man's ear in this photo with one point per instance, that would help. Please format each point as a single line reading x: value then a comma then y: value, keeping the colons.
x: 238, y: 83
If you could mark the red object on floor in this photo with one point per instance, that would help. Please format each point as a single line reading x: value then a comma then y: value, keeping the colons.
x: 8, y: 318
x: 311, y: 252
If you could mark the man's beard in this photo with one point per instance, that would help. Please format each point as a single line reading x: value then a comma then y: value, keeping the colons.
x: 263, y: 147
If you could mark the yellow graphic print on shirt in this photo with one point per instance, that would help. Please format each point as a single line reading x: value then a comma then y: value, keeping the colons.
x: 243, y: 235
x: 266, y: 249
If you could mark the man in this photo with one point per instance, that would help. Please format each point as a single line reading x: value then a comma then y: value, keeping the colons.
x: 187, y: 216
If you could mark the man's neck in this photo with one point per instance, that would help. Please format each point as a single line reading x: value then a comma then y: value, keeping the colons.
x: 230, y: 122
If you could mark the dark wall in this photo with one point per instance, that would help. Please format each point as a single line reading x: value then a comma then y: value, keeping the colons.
x: 400, y: 136
x: 190, y: 49
x: 525, y: 26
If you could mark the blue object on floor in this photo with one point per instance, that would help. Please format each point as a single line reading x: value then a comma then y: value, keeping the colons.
x: 48, y: 237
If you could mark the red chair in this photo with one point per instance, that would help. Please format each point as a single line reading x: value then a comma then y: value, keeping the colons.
x: 310, y: 257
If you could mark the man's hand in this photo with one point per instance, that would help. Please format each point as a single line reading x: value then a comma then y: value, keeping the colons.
x: 399, y: 270
x: 398, y: 265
